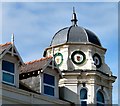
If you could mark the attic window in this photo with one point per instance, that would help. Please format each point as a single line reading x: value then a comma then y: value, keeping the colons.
x: 49, y: 84
x: 8, y: 72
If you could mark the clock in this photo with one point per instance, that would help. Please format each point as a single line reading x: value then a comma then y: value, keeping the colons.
x: 97, y: 60
x: 58, y: 58
x: 78, y: 57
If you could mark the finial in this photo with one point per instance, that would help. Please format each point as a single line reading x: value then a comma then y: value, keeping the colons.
x: 74, y: 18
x: 12, y: 38
x: 12, y: 41
x: 73, y: 9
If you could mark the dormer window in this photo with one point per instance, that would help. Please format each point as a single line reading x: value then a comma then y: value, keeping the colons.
x: 49, y: 84
x: 8, y: 72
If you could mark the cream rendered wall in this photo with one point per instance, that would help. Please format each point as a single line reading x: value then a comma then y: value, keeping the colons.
x: 91, y: 93
x: 14, y: 95
x: 89, y: 50
x: 72, y: 87
x: 72, y: 83
x: 66, y: 93
x: 106, y: 90
x: 69, y: 89
x: 61, y: 49
x: 89, y: 86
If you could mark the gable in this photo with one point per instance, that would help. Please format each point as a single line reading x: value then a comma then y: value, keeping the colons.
x: 9, y: 49
x: 4, y: 47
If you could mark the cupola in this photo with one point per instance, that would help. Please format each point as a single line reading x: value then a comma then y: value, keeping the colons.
x: 74, y: 34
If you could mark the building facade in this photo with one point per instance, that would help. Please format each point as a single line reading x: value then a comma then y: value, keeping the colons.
x: 73, y: 71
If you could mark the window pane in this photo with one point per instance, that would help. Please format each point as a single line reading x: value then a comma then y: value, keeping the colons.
x: 8, y: 66
x: 83, y: 94
x: 83, y: 103
x: 8, y: 78
x: 49, y: 79
x: 100, y: 97
x: 48, y: 90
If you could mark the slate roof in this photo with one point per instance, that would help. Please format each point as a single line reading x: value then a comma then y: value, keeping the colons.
x: 34, y: 65
x: 74, y: 34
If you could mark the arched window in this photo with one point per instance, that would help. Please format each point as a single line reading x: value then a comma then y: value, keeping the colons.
x: 100, y: 99
x: 83, y: 97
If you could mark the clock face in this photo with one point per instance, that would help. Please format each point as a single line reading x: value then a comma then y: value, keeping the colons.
x: 97, y: 60
x: 58, y: 58
x: 78, y: 57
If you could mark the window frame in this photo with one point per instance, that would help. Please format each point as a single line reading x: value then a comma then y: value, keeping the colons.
x: 48, y: 75
x: 84, y: 100
x: 98, y: 102
x: 7, y: 72
x: 52, y: 86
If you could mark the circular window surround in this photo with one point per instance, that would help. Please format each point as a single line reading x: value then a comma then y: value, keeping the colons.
x: 59, y: 54
x: 79, y: 53
x: 100, y: 61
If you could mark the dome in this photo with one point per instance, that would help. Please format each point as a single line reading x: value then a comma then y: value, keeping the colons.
x: 74, y: 34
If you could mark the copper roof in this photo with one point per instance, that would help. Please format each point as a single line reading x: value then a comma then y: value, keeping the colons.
x: 3, y: 47
x: 34, y: 65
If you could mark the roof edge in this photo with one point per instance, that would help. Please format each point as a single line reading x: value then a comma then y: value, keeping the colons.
x: 76, y: 43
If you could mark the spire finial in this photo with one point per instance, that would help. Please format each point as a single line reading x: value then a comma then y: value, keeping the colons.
x: 12, y: 38
x: 73, y: 9
x: 74, y: 18
x: 12, y: 41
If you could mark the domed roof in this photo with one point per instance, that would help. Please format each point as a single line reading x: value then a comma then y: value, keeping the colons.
x: 74, y: 34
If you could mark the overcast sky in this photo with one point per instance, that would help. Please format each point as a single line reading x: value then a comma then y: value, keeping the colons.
x: 34, y: 25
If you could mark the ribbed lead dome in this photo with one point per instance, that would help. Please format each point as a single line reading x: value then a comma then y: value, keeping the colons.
x: 74, y: 34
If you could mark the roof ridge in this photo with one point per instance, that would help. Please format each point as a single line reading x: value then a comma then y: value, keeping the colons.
x: 7, y: 43
x: 37, y: 60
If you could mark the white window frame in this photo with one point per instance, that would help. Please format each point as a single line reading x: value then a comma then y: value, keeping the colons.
x: 9, y: 73
x: 100, y: 103
x: 87, y: 96
x: 83, y: 100
x: 49, y: 85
